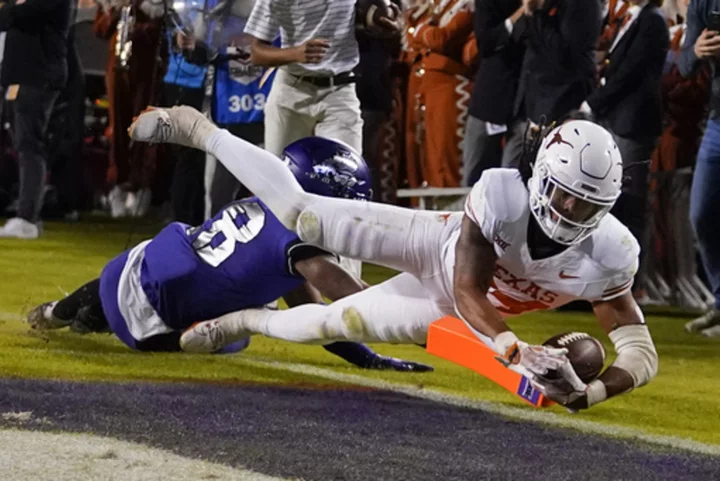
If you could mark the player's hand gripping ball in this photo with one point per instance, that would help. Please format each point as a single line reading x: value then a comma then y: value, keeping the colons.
x: 377, y: 18
x: 586, y: 354
x: 586, y: 359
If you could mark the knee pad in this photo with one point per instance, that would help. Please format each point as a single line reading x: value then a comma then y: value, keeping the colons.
x: 309, y: 226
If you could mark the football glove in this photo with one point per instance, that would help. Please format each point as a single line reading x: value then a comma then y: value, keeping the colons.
x: 536, y: 359
x: 567, y: 390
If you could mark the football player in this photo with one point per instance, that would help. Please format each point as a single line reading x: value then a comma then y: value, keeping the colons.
x: 241, y: 258
x: 529, y: 239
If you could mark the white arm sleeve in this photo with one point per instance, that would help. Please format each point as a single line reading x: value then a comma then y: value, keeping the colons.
x: 636, y: 352
x: 620, y: 283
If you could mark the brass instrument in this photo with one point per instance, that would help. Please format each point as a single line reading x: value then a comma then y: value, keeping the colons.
x: 123, y: 40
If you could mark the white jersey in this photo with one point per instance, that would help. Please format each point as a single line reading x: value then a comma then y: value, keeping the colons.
x: 601, y: 267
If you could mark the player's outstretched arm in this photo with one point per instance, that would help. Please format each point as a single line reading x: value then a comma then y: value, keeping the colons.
x: 637, y: 359
x: 636, y: 363
x: 324, y: 274
x: 474, y: 266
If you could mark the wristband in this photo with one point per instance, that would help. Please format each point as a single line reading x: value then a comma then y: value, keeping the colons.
x: 505, y: 344
x: 596, y: 392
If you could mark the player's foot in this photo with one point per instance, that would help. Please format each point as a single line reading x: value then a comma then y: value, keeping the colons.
x: 181, y: 125
x: 709, y: 319
x: 211, y: 336
x: 42, y: 318
x: 87, y: 320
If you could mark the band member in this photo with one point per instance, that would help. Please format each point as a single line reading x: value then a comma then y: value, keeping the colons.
x: 446, y: 88
x: 132, y: 84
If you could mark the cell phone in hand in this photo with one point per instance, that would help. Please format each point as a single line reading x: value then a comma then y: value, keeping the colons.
x: 714, y: 21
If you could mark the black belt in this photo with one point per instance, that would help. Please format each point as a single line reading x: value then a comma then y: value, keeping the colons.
x: 327, y: 82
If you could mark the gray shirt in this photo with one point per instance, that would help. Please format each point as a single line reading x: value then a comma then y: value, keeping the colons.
x: 301, y: 20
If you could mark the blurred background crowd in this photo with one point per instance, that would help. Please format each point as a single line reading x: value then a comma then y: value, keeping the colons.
x: 454, y: 91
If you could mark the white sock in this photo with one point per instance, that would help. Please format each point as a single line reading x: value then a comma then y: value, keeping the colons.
x: 262, y: 173
x: 308, y: 324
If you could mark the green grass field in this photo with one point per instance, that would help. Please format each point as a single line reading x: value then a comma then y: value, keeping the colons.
x: 682, y: 401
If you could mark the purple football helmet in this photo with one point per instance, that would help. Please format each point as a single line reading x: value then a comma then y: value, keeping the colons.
x: 329, y: 168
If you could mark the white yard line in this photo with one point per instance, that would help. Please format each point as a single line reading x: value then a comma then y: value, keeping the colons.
x: 521, y: 414
x: 33, y: 456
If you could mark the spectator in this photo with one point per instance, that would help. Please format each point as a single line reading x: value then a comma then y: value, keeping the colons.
x: 130, y: 90
x: 375, y: 92
x: 395, y: 157
x: 684, y: 100
x: 184, y: 85
x: 414, y: 109
x: 628, y: 104
x: 493, y: 96
x: 313, y: 92
x: 66, y: 161
x: 558, y: 71
x: 237, y: 81
x: 702, y: 45
x: 684, y: 104
x: 34, y: 72
x: 446, y: 87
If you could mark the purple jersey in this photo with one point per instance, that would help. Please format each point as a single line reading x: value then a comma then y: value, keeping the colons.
x: 243, y: 257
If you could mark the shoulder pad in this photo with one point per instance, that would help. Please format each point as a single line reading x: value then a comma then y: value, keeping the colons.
x: 614, y: 247
x: 505, y: 194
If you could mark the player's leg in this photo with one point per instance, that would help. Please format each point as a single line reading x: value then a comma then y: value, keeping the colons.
x: 403, y: 239
x: 81, y: 311
x: 259, y: 171
x: 400, y: 238
x: 397, y: 311
x: 363, y: 357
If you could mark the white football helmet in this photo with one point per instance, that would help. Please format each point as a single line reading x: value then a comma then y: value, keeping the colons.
x: 576, y: 179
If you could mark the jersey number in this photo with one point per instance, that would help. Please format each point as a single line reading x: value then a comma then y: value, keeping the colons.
x: 231, y: 233
x: 514, y: 307
x: 246, y: 103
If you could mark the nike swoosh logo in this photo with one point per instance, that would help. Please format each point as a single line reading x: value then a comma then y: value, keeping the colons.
x: 566, y: 276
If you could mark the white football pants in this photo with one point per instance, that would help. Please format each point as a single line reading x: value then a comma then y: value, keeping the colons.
x: 414, y: 242
x: 297, y: 109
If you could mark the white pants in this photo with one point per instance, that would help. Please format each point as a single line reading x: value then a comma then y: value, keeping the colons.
x: 297, y: 109
x: 418, y: 243
x: 399, y: 310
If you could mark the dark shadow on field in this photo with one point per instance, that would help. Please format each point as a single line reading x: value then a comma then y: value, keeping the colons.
x: 318, y: 434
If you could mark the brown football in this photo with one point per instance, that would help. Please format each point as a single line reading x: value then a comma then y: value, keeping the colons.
x: 368, y: 14
x: 585, y: 353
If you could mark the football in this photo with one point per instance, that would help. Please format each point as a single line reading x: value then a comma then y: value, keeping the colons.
x: 585, y: 353
x: 368, y: 14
